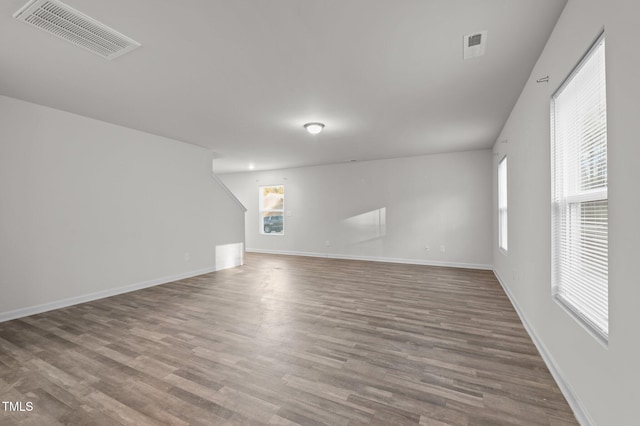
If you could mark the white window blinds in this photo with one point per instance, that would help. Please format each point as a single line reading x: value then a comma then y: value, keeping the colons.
x: 502, y: 204
x: 579, y: 193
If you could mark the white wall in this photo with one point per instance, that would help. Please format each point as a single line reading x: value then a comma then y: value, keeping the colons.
x: 604, y: 380
x: 431, y: 200
x: 89, y: 209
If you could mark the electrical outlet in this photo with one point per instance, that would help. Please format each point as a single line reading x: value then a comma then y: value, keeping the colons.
x: 426, y: 247
x: 187, y: 256
x: 327, y: 243
x: 442, y: 249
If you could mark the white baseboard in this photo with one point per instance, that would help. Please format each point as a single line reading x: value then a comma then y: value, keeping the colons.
x: 574, y: 402
x: 32, y: 310
x: 377, y: 259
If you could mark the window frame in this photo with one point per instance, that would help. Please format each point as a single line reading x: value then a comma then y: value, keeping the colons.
x: 503, y: 206
x: 566, y: 203
x: 262, y: 211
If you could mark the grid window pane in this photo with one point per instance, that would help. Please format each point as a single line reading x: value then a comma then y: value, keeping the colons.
x: 271, y: 214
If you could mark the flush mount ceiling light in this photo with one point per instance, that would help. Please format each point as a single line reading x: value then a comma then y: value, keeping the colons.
x: 314, y: 128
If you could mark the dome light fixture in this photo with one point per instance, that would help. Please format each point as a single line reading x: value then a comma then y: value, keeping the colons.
x: 314, y: 128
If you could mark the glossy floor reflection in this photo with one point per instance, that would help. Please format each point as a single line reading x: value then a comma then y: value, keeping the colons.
x: 285, y: 340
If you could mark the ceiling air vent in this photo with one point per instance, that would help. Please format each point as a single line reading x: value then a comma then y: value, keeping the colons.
x: 474, y: 45
x: 67, y: 23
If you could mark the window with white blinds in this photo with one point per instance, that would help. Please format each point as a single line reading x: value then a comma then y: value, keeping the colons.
x: 579, y: 193
x: 502, y: 204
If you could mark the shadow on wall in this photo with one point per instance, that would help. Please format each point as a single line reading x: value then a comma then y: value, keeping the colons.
x: 229, y: 255
x: 365, y: 227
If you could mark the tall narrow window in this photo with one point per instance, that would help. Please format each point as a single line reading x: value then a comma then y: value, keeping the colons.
x: 579, y: 193
x: 271, y: 213
x: 502, y: 204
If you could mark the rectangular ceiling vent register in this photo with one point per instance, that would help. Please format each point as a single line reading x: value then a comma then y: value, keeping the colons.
x: 67, y: 23
x: 474, y: 45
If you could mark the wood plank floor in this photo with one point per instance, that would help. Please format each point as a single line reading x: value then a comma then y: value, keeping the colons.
x: 285, y: 341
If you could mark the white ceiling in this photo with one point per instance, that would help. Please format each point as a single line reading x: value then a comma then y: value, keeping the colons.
x: 241, y: 77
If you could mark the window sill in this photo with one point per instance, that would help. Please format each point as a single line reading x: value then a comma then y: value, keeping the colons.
x: 602, y: 340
